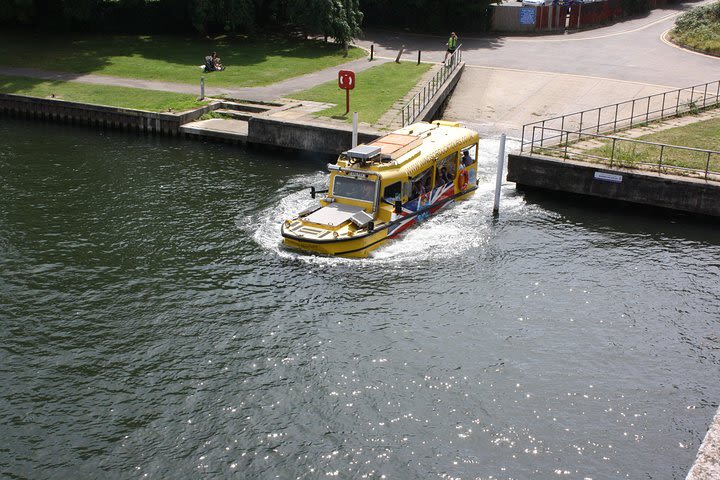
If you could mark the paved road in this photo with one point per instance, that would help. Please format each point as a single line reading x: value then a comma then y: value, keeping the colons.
x: 510, y: 81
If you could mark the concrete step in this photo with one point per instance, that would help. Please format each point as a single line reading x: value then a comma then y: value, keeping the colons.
x: 235, y: 114
x: 246, y: 107
x: 226, y: 129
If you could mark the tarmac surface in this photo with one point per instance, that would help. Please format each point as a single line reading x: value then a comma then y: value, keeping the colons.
x: 513, y: 80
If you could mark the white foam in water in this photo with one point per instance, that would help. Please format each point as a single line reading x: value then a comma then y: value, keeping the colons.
x: 454, y: 230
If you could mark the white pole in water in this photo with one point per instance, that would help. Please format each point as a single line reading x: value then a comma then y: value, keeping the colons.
x: 355, y: 128
x: 498, y: 180
x: 202, y: 88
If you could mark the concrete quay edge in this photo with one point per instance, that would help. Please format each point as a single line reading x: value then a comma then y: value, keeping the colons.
x: 707, y: 464
x: 683, y: 194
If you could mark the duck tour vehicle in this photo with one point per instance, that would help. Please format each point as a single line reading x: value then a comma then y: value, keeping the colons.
x: 380, y: 189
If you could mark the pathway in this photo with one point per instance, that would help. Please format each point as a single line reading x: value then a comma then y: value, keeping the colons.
x: 266, y: 93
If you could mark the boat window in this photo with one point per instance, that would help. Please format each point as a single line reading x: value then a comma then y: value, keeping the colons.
x: 421, y: 184
x: 450, y: 166
x: 407, y: 190
x: 353, y: 188
x: 393, y: 192
x: 466, y: 159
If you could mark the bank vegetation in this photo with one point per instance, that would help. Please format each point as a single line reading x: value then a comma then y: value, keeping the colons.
x: 699, y: 29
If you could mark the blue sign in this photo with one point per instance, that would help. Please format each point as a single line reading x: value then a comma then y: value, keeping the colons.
x: 527, y: 15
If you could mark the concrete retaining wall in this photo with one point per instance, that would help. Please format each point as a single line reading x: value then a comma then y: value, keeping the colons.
x: 665, y: 191
x: 299, y: 135
x: 436, y: 105
x: 97, y: 115
x: 707, y: 464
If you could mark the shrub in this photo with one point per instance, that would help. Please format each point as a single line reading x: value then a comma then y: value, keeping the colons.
x: 699, y: 29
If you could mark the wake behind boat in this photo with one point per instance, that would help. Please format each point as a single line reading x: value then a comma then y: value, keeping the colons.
x: 380, y: 189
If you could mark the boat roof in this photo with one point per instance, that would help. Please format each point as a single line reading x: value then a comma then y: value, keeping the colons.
x: 414, y: 148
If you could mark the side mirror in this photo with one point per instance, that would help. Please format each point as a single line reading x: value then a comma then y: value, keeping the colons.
x: 398, y: 207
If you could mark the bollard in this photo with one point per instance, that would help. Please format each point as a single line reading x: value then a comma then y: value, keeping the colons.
x: 355, y: 129
x: 202, y: 88
x: 419, y: 52
x: 402, y: 49
x: 372, y: 52
x: 498, y: 180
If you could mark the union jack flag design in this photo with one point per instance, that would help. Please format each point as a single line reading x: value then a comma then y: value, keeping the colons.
x: 426, y: 204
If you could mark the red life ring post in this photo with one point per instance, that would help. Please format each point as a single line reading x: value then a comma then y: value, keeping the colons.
x: 346, y: 81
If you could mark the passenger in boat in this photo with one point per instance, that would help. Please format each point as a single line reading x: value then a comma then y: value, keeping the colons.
x: 444, y: 176
x: 418, y: 189
x: 466, y: 161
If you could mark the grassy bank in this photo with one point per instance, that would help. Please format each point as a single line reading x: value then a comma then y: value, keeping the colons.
x: 135, y: 98
x: 703, y: 135
x: 376, y: 90
x: 699, y: 29
x: 173, y: 59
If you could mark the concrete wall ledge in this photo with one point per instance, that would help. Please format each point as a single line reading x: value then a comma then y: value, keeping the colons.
x: 684, y: 194
x: 431, y: 109
x: 707, y: 465
x: 54, y: 109
x: 305, y: 135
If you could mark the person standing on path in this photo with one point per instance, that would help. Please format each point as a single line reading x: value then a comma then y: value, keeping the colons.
x: 452, y: 45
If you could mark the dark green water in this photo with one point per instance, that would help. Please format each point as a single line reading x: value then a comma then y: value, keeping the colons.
x: 152, y: 327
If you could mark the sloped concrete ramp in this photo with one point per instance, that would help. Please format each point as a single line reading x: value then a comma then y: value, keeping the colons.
x: 501, y: 100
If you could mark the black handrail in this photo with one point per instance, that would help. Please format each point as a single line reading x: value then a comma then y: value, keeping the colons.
x: 414, y: 107
x: 614, y: 117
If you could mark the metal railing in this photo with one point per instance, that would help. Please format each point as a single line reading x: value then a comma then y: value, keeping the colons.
x: 619, y: 116
x: 420, y: 100
x: 628, y: 152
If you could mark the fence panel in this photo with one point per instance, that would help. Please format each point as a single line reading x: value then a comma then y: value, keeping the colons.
x: 509, y: 18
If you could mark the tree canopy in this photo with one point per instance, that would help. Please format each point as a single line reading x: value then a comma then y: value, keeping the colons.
x: 336, y: 19
x: 339, y: 20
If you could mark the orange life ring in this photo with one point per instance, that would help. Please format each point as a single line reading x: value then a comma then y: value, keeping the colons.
x: 463, y: 180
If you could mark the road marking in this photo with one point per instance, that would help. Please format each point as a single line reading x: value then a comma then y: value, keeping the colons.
x: 664, y: 38
x: 596, y: 37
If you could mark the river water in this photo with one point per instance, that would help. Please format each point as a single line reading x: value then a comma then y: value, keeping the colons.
x: 153, y: 326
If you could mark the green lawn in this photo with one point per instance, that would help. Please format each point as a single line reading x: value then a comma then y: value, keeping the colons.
x: 376, y: 90
x: 173, y: 59
x: 704, y: 135
x: 135, y: 98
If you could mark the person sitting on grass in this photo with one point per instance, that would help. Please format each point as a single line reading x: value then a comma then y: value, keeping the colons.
x: 212, y: 63
x: 216, y: 62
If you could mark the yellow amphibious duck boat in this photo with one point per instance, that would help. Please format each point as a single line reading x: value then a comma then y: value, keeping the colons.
x: 380, y: 189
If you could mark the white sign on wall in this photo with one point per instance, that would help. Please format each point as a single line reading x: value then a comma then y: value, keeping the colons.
x: 608, y: 177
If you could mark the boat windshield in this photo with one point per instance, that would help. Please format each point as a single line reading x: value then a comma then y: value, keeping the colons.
x: 353, y: 188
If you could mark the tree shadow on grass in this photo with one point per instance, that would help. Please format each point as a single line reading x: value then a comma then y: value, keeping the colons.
x: 249, y: 62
